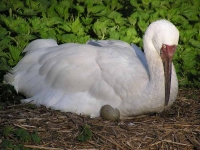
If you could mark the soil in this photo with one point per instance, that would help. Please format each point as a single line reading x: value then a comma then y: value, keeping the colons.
x: 176, y: 128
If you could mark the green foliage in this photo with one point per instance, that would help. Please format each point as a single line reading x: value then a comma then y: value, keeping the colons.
x: 23, y: 135
x: 16, y: 138
x: 81, y: 20
x: 35, y: 137
x: 7, y: 131
x: 86, y: 134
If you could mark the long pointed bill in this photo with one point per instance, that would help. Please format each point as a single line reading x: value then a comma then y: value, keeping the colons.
x: 166, y: 54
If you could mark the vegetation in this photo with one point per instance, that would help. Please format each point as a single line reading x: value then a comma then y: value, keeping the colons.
x: 86, y: 134
x: 81, y: 20
x: 16, y: 138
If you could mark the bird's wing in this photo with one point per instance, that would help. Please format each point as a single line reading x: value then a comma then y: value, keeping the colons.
x: 121, y: 66
x: 78, y: 77
x: 123, y: 45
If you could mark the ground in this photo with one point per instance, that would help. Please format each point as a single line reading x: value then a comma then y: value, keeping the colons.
x: 176, y: 128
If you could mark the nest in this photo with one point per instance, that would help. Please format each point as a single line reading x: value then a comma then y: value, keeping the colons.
x: 176, y: 128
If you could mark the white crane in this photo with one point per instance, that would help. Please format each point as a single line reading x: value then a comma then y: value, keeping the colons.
x: 81, y: 78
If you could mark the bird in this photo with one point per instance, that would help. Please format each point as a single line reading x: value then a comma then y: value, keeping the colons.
x: 82, y: 78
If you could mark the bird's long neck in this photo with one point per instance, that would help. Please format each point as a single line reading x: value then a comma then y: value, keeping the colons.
x: 154, y: 90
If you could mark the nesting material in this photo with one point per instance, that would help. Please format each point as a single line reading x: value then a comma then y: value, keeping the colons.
x: 177, y: 128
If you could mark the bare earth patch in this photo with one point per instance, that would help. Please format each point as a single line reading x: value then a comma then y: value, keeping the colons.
x: 177, y: 128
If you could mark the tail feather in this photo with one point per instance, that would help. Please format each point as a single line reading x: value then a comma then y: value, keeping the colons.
x: 28, y: 65
x: 40, y: 43
x: 11, y: 79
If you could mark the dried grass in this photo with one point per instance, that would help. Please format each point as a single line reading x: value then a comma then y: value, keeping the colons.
x: 177, y: 128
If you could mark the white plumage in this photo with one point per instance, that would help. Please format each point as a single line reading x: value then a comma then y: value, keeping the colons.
x: 81, y: 78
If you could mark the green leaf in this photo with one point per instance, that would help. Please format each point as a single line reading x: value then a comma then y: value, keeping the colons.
x: 183, y: 81
x: 134, y: 3
x: 86, y: 21
x: 191, y: 12
x: 53, y: 21
x: 35, y: 138
x: 162, y: 13
x: 17, y: 5
x: 86, y: 134
x: 103, y: 12
x: 6, y: 144
x: 65, y: 27
x: 47, y: 34
x: 179, y: 19
x: 4, y: 7
x: 79, y: 8
x: 23, y: 135
x: 114, y: 35
x: 76, y: 25
x: 115, y: 5
x: 96, y: 9
x: 119, y: 20
x: 114, y: 15
x: 15, y: 52
x: 136, y: 40
x: 172, y: 13
x: 142, y: 25
x: 155, y: 4
x: 62, y: 8
x: 195, y: 43
x: 100, y: 27
x: 4, y: 64
x: 7, y: 131
x: 144, y: 15
x: 146, y: 3
x: 194, y: 72
x: 132, y: 20
x: 53, y: 10
x: 131, y: 32
x: 16, y: 147
x: 67, y: 38
x: 83, y: 39
x: 27, y: 11
x: 3, y: 33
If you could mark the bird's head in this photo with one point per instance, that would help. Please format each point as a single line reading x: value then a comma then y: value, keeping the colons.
x: 164, y: 37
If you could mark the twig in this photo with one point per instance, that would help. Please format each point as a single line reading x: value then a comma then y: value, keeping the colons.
x: 110, y: 140
x: 20, y: 126
x: 41, y: 147
x: 194, y: 142
x: 24, y: 125
x: 156, y: 143
x: 23, y: 104
x: 169, y: 141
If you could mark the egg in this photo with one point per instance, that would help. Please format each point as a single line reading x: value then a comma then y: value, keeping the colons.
x: 107, y: 112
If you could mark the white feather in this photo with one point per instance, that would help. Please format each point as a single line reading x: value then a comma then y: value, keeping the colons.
x: 81, y: 78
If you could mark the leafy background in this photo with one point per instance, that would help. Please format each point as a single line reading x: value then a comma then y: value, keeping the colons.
x: 81, y: 20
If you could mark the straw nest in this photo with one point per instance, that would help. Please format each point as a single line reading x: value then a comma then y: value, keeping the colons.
x: 177, y: 128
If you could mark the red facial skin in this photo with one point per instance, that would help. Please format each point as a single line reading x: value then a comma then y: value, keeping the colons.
x: 166, y: 54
